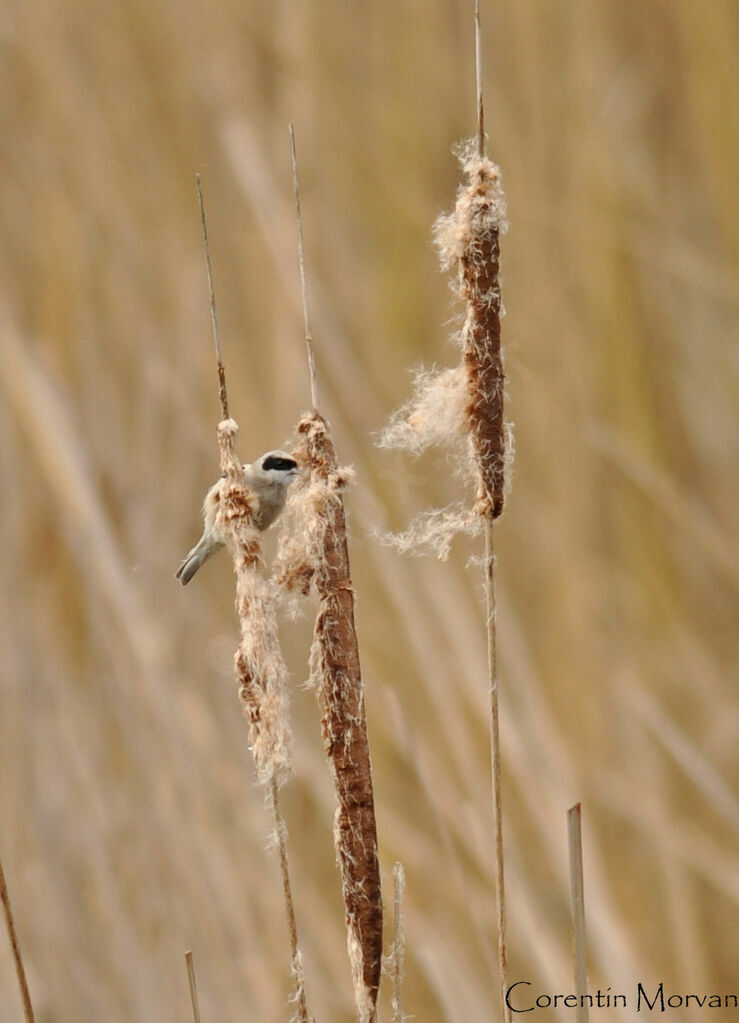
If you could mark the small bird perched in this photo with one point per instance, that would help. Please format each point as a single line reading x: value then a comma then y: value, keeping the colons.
x: 268, y: 479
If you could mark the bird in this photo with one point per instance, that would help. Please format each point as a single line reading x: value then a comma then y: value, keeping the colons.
x: 268, y: 478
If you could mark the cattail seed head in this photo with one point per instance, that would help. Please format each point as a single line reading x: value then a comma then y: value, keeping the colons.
x: 462, y: 407
x: 260, y: 670
x: 469, y: 238
x: 315, y: 555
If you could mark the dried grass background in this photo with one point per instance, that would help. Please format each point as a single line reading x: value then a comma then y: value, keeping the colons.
x: 130, y: 824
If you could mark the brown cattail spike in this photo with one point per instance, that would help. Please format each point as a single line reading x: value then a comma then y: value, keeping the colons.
x: 465, y: 403
x: 260, y: 669
x: 480, y: 288
x: 317, y: 554
x: 470, y: 237
x: 336, y: 670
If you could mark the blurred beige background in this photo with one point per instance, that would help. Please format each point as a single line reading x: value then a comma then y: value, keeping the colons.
x: 130, y: 825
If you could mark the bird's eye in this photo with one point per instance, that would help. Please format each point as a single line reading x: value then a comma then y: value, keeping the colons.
x: 278, y: 462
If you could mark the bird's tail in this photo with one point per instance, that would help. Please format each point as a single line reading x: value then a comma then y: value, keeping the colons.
x: 197, y: 557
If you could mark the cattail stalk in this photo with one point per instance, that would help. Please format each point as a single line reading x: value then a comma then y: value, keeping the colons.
x: 469, y: 242
x: 495, y: 762
x: 320, y: 557
x: 259, y: 666
x: 479, y: 276
x: 260, y: 669
x: 463, y: 407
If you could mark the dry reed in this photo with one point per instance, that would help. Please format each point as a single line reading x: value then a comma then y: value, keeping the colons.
x: 468, y: 401
x: 398, y: 951
x: 314, y: 554
x: 192, y: 982
x: 577, y: 900
x: 259, y: 666
x: 16, y: 948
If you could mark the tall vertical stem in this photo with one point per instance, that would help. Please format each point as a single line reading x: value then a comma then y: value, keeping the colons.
x: 491, y: 612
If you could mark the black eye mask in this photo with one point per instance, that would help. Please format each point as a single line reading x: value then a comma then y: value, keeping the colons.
x: 275, y: 462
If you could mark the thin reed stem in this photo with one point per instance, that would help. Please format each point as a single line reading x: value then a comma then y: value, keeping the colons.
x: 193, y: 987
x: 577, y: 897
x: 478, y: 81
x: 260, y: 668
x: 491, y: 615
x: 303, y: 280
x: 222, y: 393
x: 17, y: 958
x: 295, y: 956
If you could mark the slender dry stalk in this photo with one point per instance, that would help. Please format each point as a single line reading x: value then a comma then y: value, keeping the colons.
x: 259, y: 666
x: 315, y: 553
x: 470, y: 238
x: 398, y: 952
x: 15, y: 946
x: 468, y: 401
x: 495, y: 760
x: 577, y: 896
x: 296, y: 957
x: 478, y: 79
x: 193, y: 987
x: 310, y: 352
x: 222, y: 392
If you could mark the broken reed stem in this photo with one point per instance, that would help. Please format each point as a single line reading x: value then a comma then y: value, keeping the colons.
x: 322, y: 560
x: 222, y: 394
x: 193, y: 987
x: 398, y: 942
x: 577, y: 897
x: 15, y: 946
x: 296, y: 958
x: 310, y: 352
